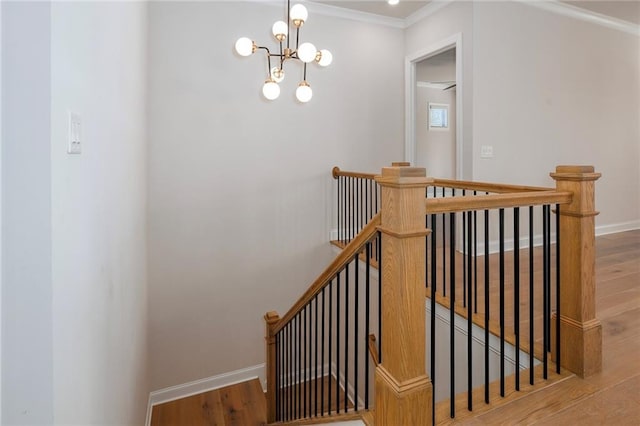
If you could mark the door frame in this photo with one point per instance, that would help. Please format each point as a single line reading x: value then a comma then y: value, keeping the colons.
x: 454, y: 41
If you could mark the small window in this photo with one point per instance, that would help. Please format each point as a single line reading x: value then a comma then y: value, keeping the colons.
x: 438, y: 116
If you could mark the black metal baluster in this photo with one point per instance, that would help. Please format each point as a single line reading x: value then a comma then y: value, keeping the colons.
x: 531, y: 297
x: 444, y: 250
x: 380, y: 298
x: 338, y: 346
x: 310, y: 365
x: 362, y: 206
x: 366, y: 327
x: 322, y: 356
x: 426, y: 249
x: 469, y: 320
x: 346, y: 210
x: 346, y: 338
x: 487, y: 285
x: 475, y: 258
x: 558, y: 359
x: 516, y: 289
x: 299, y: 368
x: 330, y: 349
x: 290, y: 376
x: 355, y: 334
x: 465, y: 259
x: 433, y: 313
x: 452, y: 289
x: 315, y: 406
x: 354, y: 216
x: 548, y: 219
x: 502, y: 302
x: 278, y: 371
x: 356, y: 202
x: 367, y: 189
x: 303, y: 366
x: 545, y: 266
x: 351, y: 210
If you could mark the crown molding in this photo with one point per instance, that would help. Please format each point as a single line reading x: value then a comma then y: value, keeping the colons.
x: 425, y: 12
x: 555, y: 6
x: 552, y: 6
x: 354, y: 15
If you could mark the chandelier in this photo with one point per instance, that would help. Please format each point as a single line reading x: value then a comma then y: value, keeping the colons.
x: 305, y: 52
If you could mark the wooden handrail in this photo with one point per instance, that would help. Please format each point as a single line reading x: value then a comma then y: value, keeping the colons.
x: 486, y: 186
x: 496, y: 201
x: 336, y: 172
x: 345, y: 256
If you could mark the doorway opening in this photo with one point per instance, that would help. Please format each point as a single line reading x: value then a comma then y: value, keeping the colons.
x: 434, y: 109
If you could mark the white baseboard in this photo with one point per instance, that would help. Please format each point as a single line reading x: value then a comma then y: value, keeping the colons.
x: 204, y: 385
x: 617, y: 227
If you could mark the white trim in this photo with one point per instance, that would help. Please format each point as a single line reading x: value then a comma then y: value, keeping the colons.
x: 350, y: 392
x: 204, y: 385
x: 455, y: 41
x: 617, y: 227
x: 354, y: 15
x: 494, y: 245
x: 581, y: 14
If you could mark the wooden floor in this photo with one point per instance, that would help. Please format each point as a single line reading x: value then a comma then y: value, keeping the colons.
x: 611, y: 397
x: 243, y: 404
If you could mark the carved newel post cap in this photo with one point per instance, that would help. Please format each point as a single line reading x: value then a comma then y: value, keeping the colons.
x: 575, y: 173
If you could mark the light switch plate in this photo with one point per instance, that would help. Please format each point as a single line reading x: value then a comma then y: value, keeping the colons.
x: 486, y: 151
x: 75, y: 134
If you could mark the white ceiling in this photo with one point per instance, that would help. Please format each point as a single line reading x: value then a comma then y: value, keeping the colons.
x: 627, y: 10
x: 379, y: 7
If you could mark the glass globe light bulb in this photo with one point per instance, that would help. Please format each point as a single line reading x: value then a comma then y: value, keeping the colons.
x: 271, y: 90
x: 307, y: 52
x: 304, y: 92
x: 280, y: 30
x: 298, y: 14
x: 324, y: 58
x: 244, y: 46
x: 277, y: 74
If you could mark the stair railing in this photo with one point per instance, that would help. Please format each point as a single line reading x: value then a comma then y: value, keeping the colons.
x: 317, y: 354
x: 467, y: 267
x: 457, y: 222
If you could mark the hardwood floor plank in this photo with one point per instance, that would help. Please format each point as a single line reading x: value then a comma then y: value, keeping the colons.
x: 618, y: 405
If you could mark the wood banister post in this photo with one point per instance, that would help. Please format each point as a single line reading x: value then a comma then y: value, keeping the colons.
x: 271, y: 319
x: 580, y: 330
x: 403, y: 389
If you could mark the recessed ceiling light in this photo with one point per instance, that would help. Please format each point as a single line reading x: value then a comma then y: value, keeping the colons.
x: 393, y: 2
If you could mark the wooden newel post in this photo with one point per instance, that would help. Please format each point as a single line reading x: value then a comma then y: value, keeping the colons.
x: 403, y: 389
x: 271, y: 319
x: 580, y: 330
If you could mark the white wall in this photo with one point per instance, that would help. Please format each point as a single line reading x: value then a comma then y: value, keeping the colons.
x: 27, y: 338
x: 436, y: 149
x: 456, y: 18
x: 74, y: 227
x: 565, y: 95
x: 240, y: 189
x: 98, y: 70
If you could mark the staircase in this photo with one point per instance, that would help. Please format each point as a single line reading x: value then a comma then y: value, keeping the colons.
x: 438, y: 238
